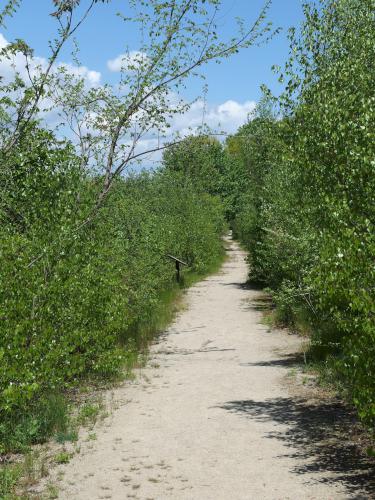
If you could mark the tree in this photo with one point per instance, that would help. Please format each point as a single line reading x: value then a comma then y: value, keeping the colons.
x: 199, y: 158
x: 109, y: 122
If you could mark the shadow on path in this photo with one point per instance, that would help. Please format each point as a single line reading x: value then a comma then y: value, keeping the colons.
x: 247, y: 285
x: 187, y: 352
x: 317, y: 433
x: 290, y: 360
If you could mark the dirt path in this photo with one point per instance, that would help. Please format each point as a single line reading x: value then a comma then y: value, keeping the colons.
x: 211, y: 417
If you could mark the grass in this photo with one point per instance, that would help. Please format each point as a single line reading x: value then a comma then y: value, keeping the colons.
x: 52, y: 491
x: 70, y: 435
x: 44, y: 418
x: 88, y: 414
x: 17, y: 479
x: 9, y: 477
x: 169, y: 304
x: 63, y: 457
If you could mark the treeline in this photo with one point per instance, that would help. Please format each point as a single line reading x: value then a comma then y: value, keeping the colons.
x: 79, y: 293
x: 298, y: 184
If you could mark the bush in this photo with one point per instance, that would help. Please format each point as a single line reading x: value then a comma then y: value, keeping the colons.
x: 308, y: 216
x: 75, y: 290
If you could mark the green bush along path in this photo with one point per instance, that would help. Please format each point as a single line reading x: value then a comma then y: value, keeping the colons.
x: 78, y: 304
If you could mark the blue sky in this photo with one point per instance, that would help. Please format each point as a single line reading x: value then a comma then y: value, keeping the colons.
x: 104, y: 36
x: 233, y: 85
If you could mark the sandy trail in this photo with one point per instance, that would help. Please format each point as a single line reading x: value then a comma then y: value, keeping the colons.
x: 211, y: 416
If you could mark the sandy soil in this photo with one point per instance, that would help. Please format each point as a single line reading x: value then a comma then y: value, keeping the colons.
x: 211, y: 417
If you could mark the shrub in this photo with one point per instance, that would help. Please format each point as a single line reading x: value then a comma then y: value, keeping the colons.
x: 308, y: 216
x: 74, y: 289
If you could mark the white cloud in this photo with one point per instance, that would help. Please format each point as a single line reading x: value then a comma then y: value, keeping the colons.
x: 127, y: 62
x: 17, y: 64
x: 3, y: 41
x: 91, y: 77
x: 225, y: 117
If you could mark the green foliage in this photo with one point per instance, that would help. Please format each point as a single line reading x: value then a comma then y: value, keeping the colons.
x: 199, y: 158
x: 66, y: 436
x: 308, y: 213
x: 8, y: 10
x: 89, y: 413
x: 75, y: 290
x: 44, y: 416
x: 334, y: 151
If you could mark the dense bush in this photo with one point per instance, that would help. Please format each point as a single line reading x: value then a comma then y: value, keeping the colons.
x: 74, y: 289
x: 308, y: 213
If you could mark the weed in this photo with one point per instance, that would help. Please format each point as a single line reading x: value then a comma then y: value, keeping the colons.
x: 63, y: 457
x: 34, y: 468
x: 89, y: 413
x: 60, y: 475
x: 46, y: 415
x: 66, y: 436
x: 9, y: 476
x: 51, y: 491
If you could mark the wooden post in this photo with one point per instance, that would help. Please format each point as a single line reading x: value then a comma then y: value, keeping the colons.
x: 178, y: 271
x: 178, y: 264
